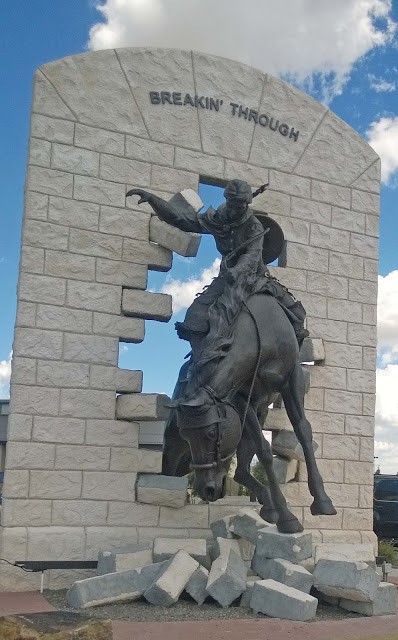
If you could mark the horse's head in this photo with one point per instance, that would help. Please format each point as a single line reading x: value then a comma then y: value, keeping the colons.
x: 213, y: 433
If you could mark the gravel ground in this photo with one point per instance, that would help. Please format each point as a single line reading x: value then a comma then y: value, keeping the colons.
x: 142, y: 611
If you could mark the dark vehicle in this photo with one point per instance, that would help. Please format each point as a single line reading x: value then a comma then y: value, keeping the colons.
x: 385, y: 506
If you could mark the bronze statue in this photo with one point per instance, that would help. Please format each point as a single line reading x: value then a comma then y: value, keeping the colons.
x: 245, y: 330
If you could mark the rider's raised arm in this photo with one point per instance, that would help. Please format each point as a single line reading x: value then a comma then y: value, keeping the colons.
x: 183, y: 217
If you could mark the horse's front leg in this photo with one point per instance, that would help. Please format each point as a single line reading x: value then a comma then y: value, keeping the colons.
x: 293, y: 398
x: 287, y: 521
x: 176, y: 453
x: 244, y: 455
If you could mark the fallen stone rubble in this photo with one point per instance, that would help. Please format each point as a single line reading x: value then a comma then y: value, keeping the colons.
x: 247, y: 562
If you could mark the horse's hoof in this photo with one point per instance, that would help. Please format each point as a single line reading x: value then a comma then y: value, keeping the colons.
x: 269, y: 515
x: 323, y: 508
x: 292, y: 525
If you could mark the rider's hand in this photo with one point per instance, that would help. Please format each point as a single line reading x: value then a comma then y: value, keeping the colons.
x: 144, y: 195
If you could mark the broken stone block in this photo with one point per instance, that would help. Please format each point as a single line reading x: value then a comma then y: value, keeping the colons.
x: 286, y: 444
x: 166, y: 491
x: 312, y: 350
x: 350, y: 580
x: 172, y: 580
x: 280, y: 601
x: 227, y: 578
x: 247, y: 523
x: 292, y: 575
x: 220, y: 528
x: 246, y: 595
x: 384, y: 602
x: 124, y: 558
x: 113, y: 587
x: 224, y: 545
x: 186, y: 198
x: 308, y: 564
x: 289, y: 546
x: 182, y: 242
x: 165, y: 548
x: 285, y: 470
x: 196, y: 585
x: 346, y: 552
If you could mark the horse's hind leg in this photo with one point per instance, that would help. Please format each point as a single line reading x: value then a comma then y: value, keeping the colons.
x: 293, y: 398
x: 244, y: 455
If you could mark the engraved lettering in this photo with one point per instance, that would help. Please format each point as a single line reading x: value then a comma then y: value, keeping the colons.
x: 253, y: 115
x: 284, y: 129
x: 215, y: 104
x: 243, y: 112
x: 188, y: 100
x: 263, y: 120
x: 154, y: 97
x: 166, y: 97
x: 294, y: 134
x: 199, y: 102
x: 176, y: 98
x: 234, y: 107
x: 271, y: 123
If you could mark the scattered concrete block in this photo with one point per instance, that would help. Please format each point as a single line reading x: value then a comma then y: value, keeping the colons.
x: 224, y: 545
x: 285, y: 470
x: 227, y: 578
x: 308, y: 564
x: 184, y: 243
x: 172, y: 580
x: 246, y: 595
x: 346, y: 552
x: 289, y: 546
x: 124, y: 559
x: 279, y: 601
x: 292, y: 575
x: 142, y: 406
x: 167, y: 491
x: 312, y: 350
x: 165, y: 548
x: 113, y: 587
x: 384, y: 602
x: 221, y: 528
x: 186, y: 198
x: 247, y: 549
x: 247, y: 523
x: 350, y: 580
x: 196, y: 585
x: 286, y: 444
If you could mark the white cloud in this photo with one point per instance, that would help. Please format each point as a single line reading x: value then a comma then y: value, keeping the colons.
x: 386, y: 434
x: 383, y: 137
x: 184, y: 292
x: 380, y: 85
x: 5, y: 374
x: 312, y: 43
x: 387, y: 314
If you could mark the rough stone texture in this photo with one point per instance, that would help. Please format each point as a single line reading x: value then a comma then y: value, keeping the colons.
x: 227, y: 578
x: 113, y: 587
x: 196, y: 585
x: 124, y: 559
x: 167, y: 491
x: 285, y: 470
x: 168, y: 586
x: 384, y: 603
x: 82, y: 243
x: 63, y: 625
x: 286, y: 444
x: 247, y: 524
x: 221, y: 528
x: 280, y: 601
x: 344, y: 579
x: 165, y: 548
x: 292, y: 575
x: 346, y: 552
x: 289, y: 546
x: 185, y: 244
x: 247, y: 594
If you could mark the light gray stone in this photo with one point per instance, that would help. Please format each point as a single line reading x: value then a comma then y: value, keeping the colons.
x: 285, y: 470
x: 123, y: 222
x: 97, y: 190
x: 149, y: 151
x: 79, y: 513
x: 224, y: 545
x: 129, y: 459
x: 124, y: 559
x: 34, y: 400
x: 183, y: 243
x: 85, y: 83
x: 168, y: 586
x: 23, y: 370
x: 16, y: 484
x: 148, y: 305
x: 62, y: 374
x: 90, y: 349
x: 384, y: 603
x: 109, y: 485
x: 122, y: 327
x: 91, y: 243
x: 141, y: 515
x: 246, y: 524
x: 196, y: 585
x: 123, y: 273
x: 247, y: 594
x: 113, y: 587
x: 125, y: 170
x: 39, y: 152
x: 152, y: 255
x: 70, y: 265
x: 280, y: 601
x: 173, y: 180
x: 300, y: 256
x: 331, y: 193
x: 227, y: 578
x: 30, y: 455
x: 55, y: 484
x: 289, y: 183
x: 52, y: 129
x: 312, y: 350
x: 166, y: 491
x: 289, y: 546
x: 38, y: 288
x: 87, y: 403
x: 46, y: 99
x: 50, y: 181
x: 93, y: 296
x: 64, y: 430
x: 196, y: 516
x: 112, y: 433
x: 62, y: 318
x: 81, y: 161
x: 252, y: 174
x: 312, y: 211
x: 165, y: 548
x: 143, y: 406
x: 83, y: 215
x: 25, y: 513
x: 345, y: 579
x: 346, y: 552
x: 84, y: 457
x: 286, y: 444
x: 292, y: 575
x: 36, y: 205
x: 99, y: 139
x: 221, y: 528
x: 120, y: 380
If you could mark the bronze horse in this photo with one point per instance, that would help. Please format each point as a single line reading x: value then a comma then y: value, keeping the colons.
x: 210, y: 423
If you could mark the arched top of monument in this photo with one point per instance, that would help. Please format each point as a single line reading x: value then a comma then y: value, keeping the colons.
x: 208, y: 104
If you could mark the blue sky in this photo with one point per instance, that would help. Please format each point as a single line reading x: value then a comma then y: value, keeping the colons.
x: 345, y: 53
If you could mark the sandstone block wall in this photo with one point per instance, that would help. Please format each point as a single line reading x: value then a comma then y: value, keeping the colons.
x: 96, y: 131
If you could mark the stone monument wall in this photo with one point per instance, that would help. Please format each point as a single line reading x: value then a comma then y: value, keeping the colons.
x: 106, y: 121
